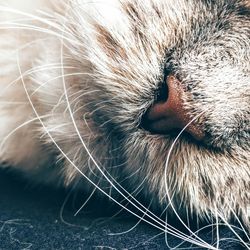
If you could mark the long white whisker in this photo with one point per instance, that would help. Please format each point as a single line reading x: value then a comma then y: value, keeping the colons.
x: 32, y: 71
x: 165, y: 177
x: 217, y: 230
x: 61, y: 212
x: 150, y: 239
x: 58, y: 77
x: 17, y: 128
x: 238, y: 220
x: 131, y: 229
x: 85, y: 203
x: 68, y: 159
x: 234, y: 232
x: 34, y: 28
x: 40, y: 19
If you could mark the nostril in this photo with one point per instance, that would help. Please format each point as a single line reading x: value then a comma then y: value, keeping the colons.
x: 168, y: 113
x: 162, y: 93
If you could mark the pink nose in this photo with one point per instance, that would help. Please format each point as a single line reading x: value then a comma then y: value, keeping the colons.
x: 170, y: 115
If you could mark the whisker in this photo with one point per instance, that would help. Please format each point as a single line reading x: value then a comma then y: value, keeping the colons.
x: 233, y: 231
x: 40, y: 19
x: 55, y: 78
x: 131, y: 229
x: 61, y: 212
x: 150, y: 239
x: 85, y: 203
x: 238, y: 220
x: 17, y: 128
x: 165, y: 176
x: 32, y: 71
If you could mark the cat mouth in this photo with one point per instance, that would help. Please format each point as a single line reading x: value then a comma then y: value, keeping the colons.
x: 168, y: 116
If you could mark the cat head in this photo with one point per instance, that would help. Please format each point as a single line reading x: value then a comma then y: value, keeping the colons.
x: 163, y: 66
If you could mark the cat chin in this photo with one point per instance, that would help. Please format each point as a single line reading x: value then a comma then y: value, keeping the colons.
x: 208, y: 184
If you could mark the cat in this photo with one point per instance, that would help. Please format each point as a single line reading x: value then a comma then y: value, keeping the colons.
x: 131, y: 97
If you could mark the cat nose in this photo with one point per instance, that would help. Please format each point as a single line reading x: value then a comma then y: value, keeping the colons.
x: 169, y: 115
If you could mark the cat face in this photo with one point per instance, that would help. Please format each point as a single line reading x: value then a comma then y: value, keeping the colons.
x: 165, y: 61
x: 207, y: 52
